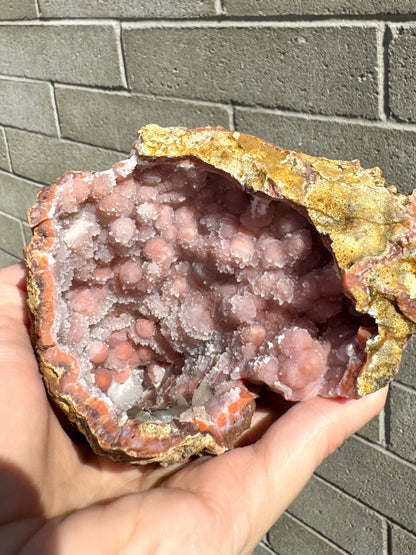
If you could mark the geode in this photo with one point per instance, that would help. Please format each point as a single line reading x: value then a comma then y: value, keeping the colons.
x: 168, y: 290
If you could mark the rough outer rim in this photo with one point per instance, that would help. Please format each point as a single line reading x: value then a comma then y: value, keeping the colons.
x: 371, y: 229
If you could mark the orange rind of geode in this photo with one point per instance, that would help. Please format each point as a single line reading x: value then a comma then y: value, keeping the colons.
x: 369, y: 228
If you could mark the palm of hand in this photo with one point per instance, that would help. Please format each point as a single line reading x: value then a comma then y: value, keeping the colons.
x: 55, y: 496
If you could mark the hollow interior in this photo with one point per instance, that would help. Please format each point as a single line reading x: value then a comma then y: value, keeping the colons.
x: 173, y: 281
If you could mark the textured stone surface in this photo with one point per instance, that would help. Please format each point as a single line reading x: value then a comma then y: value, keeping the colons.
x: 371, y: 431
x: 317, y: 7
x: 317, y: 504
x: 369, y: 474
x: 4, y: 159
x: 80, y: 109
x: 402, y: 72
x: 402, y: 403
x: 288, y: 536
x: 402, y: 543
x: 44, y: 158
x: 262, y: 549
x: 27, y: 105
x: 126, y: 8
x: 268, y: 66
x: 23, y: 9
x: 11, y: 236
x: 16, y: 194
x: 393, y: 149
x: 59, y: 53
x: 7, y: 259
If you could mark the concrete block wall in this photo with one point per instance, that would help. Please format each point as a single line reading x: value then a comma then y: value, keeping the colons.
x: 330, y: 77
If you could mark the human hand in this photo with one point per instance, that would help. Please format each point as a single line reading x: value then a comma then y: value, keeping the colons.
x: 56, y: 496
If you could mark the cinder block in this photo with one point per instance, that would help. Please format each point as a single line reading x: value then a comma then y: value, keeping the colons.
x: 402, y: 543
x: 27, y: 105
x: 16, y: 194
x: 47, y: 158
x: 7, y: 259
x: 4, y: 159
x: 68, y: 53
x: 262, y: 549
x: 11, y: 236
x: 375, y: 477
x: 371, y: 430
x: 19, y: 9
x: 27, y: 233
x: 127, y: 8
x: 402, y: 72
x: 402, y: 403
x: 318, y: 7
x: 335, y: 515
x: 407, y: 373
x: 288, y: 536
x: 120, y: 116
x: 329, y: 70
x: 391, y: 149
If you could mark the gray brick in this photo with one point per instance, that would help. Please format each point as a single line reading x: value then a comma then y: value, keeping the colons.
x: 318, y: 7
x: 376, y: 478
x: 7, y: 259
x: 27, y: 233
x: 402, y: 73
x: 4, y: 159
x: 120, y: 116
x: 11, y: 236
x: 371, y: 430
x: 330, y: 70
x: 402, y: 542
x: 407, y: 371
x: 392, y: 149
x: 19, y: 9
x: 27, y: 105
x: 290, y: 537
x: 16, y: 194
x: 69, y: 53
x: 46, y: 158
x: 127, y: 8
x: 335, y: 515
x: 262, y: 549
x: 402, y: 403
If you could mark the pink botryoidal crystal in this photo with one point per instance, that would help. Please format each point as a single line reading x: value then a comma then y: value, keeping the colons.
x: 164, y: 294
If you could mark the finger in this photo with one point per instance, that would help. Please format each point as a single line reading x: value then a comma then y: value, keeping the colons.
x: 14, y: 318
x: 251, y: 487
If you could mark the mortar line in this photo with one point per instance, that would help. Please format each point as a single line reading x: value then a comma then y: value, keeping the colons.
x: 204, y: 22
x: 316, y: 533
x: 22, y: 235
x: 380, y: 33
x: 219, y: 7
x: 387, y: 539
x: 386, y: 46
x: 310, y: 19
x: 122, y: 57
x: 55, y: 109
x: 8, y: 157
x: 38, y: 8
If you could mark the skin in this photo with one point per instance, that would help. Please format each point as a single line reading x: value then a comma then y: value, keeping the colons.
x: 57, y: 497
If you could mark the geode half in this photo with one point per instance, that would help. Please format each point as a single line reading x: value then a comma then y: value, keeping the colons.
x: 166, y: 291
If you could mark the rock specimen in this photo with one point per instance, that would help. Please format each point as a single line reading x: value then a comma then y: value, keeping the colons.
x: 165, y: 291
